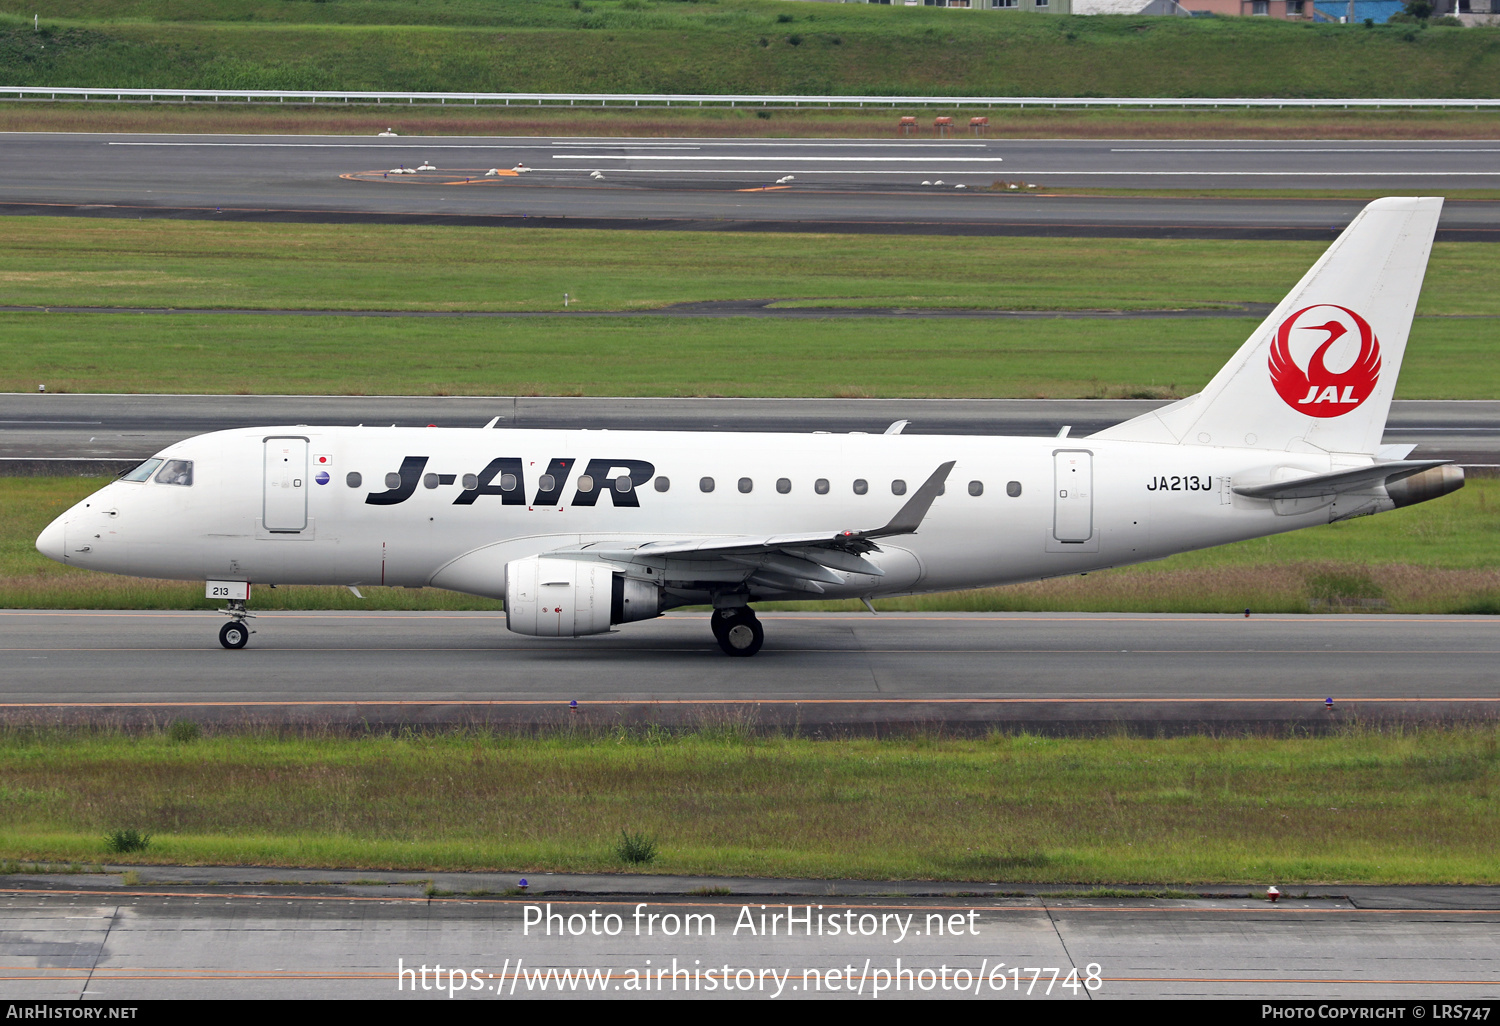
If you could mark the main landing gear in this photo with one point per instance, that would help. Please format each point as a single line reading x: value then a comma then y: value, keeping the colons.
x: 737, y: 630
x: 236, y: 632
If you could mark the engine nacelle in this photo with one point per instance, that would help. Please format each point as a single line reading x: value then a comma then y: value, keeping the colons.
x: 567, y: 598
x: 1424, y: 485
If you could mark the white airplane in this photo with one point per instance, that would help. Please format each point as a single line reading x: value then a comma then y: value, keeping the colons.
x: 579, y: 531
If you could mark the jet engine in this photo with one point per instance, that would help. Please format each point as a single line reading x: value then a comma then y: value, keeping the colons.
x: 566, y: 598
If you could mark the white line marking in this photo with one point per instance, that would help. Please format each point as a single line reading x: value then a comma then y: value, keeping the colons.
x: 344, y: 146
x: 1016, y: 171
x: 495, y: 146
x: 1329, y: 149
x: 784, y: 160
x: 809, y: 145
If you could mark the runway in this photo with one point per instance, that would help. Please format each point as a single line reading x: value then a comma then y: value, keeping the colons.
x: 696, y: 184
x: 118, y: 944
x: 131, y: 427
x: 818, y: 671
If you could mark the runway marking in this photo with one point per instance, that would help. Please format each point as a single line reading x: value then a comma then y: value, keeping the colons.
x: 406, y: 145
x: 1320, y: 149
x: 848, y: 160
x: 1059, y: 173
x: 615, y: 653
x: 806, y: 144
x: 1311, y: 703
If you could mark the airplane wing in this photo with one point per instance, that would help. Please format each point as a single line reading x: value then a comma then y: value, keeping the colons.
x: 799, y: 562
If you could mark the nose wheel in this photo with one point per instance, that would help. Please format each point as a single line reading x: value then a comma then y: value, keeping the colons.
x: 236, y: 633
x: 737, y: 631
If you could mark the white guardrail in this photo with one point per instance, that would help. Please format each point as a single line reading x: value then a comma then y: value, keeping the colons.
x: 689, y: 100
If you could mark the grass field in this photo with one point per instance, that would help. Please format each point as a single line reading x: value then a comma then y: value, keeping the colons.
x: 744, y: 46
x: 64, y: 261
x: 671, y: 356
x: 1437, y: 557
x: 172, y: 264
x: 1361, y: 807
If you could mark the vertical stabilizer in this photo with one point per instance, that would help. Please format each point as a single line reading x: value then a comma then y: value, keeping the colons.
x: 1319, y: 372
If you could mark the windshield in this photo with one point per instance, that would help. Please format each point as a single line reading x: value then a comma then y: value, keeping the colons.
x: 176, y: 472
x: 142, y: 472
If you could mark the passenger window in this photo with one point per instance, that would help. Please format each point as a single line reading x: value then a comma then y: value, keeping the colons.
x: 507, y: 483
x: 144, y: 471
x: 393, y: 480
x: 623, y: 484
x: 585, y: 483
x: 662, y: 484
x: 783, y: 485
x: 976, y: 487
x: 545, y: 483
x: 861, y: 486
x: 354, y: 479
x: 705, y: 484
x: 746, y: 485
x: 176, y: 472
x: 821, y: 486
x: 1013, y: 489
x: 430, y: 481
x: 471, y: 482
x: 898, y: 487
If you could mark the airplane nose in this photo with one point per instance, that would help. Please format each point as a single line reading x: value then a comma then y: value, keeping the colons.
x: 50, y: 542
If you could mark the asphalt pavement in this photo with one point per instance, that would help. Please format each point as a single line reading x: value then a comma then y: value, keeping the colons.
x: 1063, y: 672
x: 883, y: 186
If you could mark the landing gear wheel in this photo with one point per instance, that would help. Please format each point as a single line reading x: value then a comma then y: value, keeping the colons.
x: 720, y: 620
x: 740, y: 634
x: 234, y: 634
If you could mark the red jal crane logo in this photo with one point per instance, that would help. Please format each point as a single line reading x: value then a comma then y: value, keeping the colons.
x: 1316, y: 390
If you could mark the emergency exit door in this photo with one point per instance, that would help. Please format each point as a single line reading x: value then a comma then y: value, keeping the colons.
x: 285, y: 485
x: 1073, y: 495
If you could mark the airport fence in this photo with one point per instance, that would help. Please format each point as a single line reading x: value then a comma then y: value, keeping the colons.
x: 48, y: 93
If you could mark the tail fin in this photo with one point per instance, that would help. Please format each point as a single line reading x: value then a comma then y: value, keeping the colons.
x: 1319, y: 372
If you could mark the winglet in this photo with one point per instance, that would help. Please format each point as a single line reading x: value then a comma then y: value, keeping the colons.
x: 909, y: 517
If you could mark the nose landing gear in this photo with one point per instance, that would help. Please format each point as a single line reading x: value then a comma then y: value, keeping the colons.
x: 737, y: 630
x: 236, y: 632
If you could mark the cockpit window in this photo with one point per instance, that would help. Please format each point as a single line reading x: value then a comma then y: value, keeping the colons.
x: 144, y: 471
x: 176, y: 472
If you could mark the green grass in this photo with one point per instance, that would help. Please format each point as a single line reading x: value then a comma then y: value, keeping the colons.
x: 1437, y: 557
x: 61, y: 261
x: 724, y: 47
x: 48, y: 261
x: 1411, y: 806
x: 672, y: 356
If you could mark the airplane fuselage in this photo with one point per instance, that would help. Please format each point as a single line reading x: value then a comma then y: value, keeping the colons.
x: 449, y: 507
